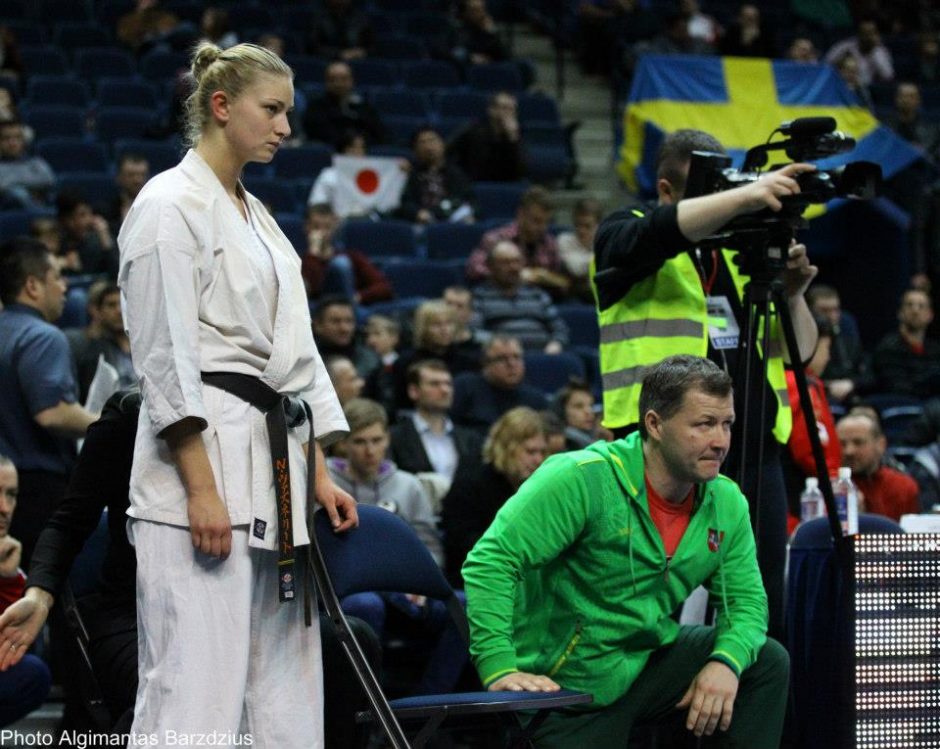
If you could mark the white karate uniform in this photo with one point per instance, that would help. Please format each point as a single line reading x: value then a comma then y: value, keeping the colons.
x: 205, y: 291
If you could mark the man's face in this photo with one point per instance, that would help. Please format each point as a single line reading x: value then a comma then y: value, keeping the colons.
x: 915, y: 313
x: 868, y: 36
x: 132, y: 176
x: 829, y: 308
x: 429, y: 148
x: 336, y: 326
x: 694, y: 441
x: 861, y: 449
x: 503, y: 106
x: 9, y: 486
x: 434, y: 392
x: 339, y: 80
x: 907, y: 99
x: 504, y: 366
x: 365, y: 450
x: 803, y: 50
x: 533, y: 222
x: 325, y: 223
x: 80, y: 221
x: 579, y: 411
x: 506, y: 264
x: 347, y: 382
x: 109, y: 313
x: 461, y: 302
x: 51, y: 292
x: 12, y: 142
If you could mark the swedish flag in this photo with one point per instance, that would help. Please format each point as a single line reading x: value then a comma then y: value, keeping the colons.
x: 741, y: 101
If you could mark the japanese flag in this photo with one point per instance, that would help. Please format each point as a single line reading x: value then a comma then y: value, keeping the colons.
x: 367, y: 183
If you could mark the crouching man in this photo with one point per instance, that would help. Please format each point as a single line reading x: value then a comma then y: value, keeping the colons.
x: 574, y: 584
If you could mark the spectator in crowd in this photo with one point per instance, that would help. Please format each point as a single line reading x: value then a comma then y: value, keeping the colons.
x: 882, y: 490
x: 327, y: 268
x: 907, y: 120
x: 25, y: 685
x: 491, y: 149
x: 426, y: 440
x: 112, y: 342
x: 574, y: 404
x: 925, y: 470
x: 382, y: 336
x: 576, y: 248
x: 85, y: 241
x: 800, y: 462
x: 41, y: 418
x: 25, y: 181
x: 530, y: 232
x: 468, y: 337
x: 133, y: 171
x: 604, y: 545
x: 480, y: 398
x: 701, y: 25
x: 46, y: 230
x: 555, y: 440
x: 146, y: 25
x: 372, y: 479
x: 273, y: 42
x: 848, y: 370
x: 436, y: 190
x: 507, y: 305
x: 11, y: 64
x: 477, y: 41
x: 341, y: 108
x: 347, y: 382
x: 802, y: 49
x: 334, y: 329
x: 216, y: 27
x: 907, y: 362
x: 351, y: 143
x: 872, y: 58
x: 8, y: 108
x: 603, y: 25
x: 747, y: 37
x: 80, y: 338
x: 340, y: 31
x: 673, y: 39
x: 926, y: 65
x: 848, y: 70
x: 515, y: 446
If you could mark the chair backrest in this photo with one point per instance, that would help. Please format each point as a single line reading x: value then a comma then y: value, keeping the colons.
x: 498, y: 199
x: 426, y: 278
x: 374, y: 238
x: 58, y: 90
x: 814, y: 534
x: 447, y: 240
x: 67, y: 154
x: 549, y: 372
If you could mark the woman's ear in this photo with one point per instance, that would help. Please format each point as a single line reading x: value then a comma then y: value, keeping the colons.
x: 219, y: 104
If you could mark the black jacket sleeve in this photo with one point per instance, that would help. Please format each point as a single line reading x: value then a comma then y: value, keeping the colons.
x: 629, y: 248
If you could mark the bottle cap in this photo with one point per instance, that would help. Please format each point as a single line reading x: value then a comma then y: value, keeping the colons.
x: 812, y: 482
x: 845, y: 472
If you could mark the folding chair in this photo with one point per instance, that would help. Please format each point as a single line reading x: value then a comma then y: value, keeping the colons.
x: 385, y: 554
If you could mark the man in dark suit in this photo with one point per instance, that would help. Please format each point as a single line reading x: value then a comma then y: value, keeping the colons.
x: 426, y: 441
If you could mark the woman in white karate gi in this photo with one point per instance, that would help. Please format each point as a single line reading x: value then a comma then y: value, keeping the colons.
x: 211, y: 284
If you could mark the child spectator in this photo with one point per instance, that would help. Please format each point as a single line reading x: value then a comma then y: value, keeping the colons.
x: 576, y: 248
x: 382, y: 336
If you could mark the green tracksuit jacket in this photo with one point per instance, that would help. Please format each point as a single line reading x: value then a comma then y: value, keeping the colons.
x: 571, y: 579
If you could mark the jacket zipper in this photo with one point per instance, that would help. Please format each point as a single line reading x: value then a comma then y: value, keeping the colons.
x: 563, y: 658
x: 666, y: 570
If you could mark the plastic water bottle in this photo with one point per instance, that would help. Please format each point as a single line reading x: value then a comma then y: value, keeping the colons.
x: 846, y: 497
x: 811, y: 500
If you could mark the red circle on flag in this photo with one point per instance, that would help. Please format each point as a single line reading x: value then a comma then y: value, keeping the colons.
x: 367, y: 180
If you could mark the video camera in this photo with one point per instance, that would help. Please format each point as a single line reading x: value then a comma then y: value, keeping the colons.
x: 764, y: 237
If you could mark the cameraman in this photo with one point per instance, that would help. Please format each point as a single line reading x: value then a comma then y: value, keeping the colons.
x: 659, y: 294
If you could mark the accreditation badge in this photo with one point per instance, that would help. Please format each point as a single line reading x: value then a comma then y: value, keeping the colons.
x: 723, y: 327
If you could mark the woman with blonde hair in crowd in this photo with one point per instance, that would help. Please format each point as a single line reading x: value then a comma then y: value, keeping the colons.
x: 229, y: 373
x: 515, y: 446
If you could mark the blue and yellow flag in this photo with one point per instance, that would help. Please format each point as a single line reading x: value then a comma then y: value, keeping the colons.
x: 741, y: 101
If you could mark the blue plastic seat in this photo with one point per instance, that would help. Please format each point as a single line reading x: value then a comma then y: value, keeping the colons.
x: 468, y: 105
x: 70, y: 154
x: 307, y: 69
x: 27, y: 33
x: 428, y: 278
x: 292, y: 224
x: 277, y: 193
x: 582, y: 324
x: 549, y: 372
x: 44, y: 60
x: 96, y: 187
x: 538, y: 109
x: 445, y: 240
x: 430, y: 74
x: 498, y: 200
x: 160, y: 155
x: 101, y: 62
x: 158, y: 65
x: 122, y: 92
x: 70, y: 35
x: 495, y: 76
x: 546, y: 164
x: 75, y: 312
x: 371, y: 72
x: 400, y: 47
x: 412, y: 104
x: 303, y: 162
x: 114, y: 123
x: 59, y: 90
x: 380, y: 238
x: 401, y: 128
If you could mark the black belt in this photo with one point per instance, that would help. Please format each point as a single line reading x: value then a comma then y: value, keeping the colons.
x: 279, y: 411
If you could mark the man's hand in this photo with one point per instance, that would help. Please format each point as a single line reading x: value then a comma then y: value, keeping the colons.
x: 209, y: 524
x: 771, y: 186
x: 20, y: 624
x: 519, y: 681
x: 339, y: 505
x: 799, y: 273
x: 710, y: 699
x: 10, y: 552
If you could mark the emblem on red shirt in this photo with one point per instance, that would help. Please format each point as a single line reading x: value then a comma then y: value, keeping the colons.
x: 715, y: 537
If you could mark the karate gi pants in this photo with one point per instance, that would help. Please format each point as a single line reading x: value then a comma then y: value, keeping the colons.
x: 217, y: 651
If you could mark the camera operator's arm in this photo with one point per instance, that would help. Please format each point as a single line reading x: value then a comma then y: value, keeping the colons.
x: 797, y: 278
x: 701, y: 217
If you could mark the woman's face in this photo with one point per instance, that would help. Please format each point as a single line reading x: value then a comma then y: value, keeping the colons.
x: 439, y: 333
x: 256, y: 122
x: 528, y: 456
x: 579, y: 411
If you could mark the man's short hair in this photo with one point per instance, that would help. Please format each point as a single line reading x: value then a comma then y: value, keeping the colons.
x: 330, y: 300
x: 21, y: 258
x: 320, y: 209
x: 492, y: 342
x: 564, y: 394
x: 588, y: 207
x: 864, y: 411
x: 132, y: 157
x: 68, y: 201
x: 413, y: 375
x: 537, y: 196
x: 99, y: 290
x: 385, y: 324
x: 421, y: 129
x: 820, y: 291
x: 676, y: 152
x: 665, y: 385
x: 362, y: 413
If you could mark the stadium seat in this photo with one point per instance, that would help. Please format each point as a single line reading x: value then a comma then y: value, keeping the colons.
x: 498, y: 200
x: 114, y: 123
x: 496, y: 76
x: 292, y: 225
x: 469, y: 105
x: 428, y: 278
x: 247, y: 16
x: 307, y: 69
x: 452, y: 241
x: 277, y: 193
x: 102, y: 62
x: 158, y: 65
x: 303, y: 162
x: 160, y: 155
x: 126, y: 93
x: 16, y: 222
x: 44, y: 60
x: 547, y: 163
x: 400, y: 47
x: 71, y: 154
x: 380, y: 238
x: 549, y: 372
x: 582, y: 324
x: 71, y: 36
x: 401, y: 129
x: 538, y: 109
x: 375, y: 73
x: 401, y: 104
x: 96, y: 187
x: 429, y: 74
x: 27, y: 33
x: 60, y: 90
x: 75, y: 313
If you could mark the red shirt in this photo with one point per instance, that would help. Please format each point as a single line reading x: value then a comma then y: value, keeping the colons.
x: 889, y: 492
x: 11, y: 589
x: 670, y: 519
x: 800, y: 448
